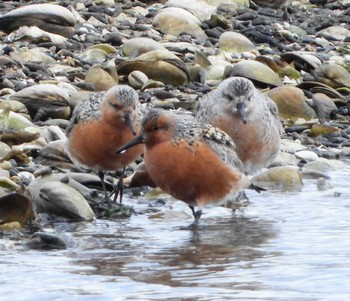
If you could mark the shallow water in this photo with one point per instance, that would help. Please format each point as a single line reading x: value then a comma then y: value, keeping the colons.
x: 283, y: 246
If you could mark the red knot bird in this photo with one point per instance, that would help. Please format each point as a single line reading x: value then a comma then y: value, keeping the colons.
x: 193, y: 162
x: 248, y: 116
x: 101, y: 124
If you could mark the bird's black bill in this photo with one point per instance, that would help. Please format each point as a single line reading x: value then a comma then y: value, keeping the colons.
x: 128, y: 121
x: 256, y: 188
x: 240, y: 109
x: 137, y: 140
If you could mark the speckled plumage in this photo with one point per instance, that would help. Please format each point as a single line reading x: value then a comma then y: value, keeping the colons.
x: 90, y: 109
x: 191, y: 133
x: 193, y: 162
x: 257, y: 138
x: 101, y: 124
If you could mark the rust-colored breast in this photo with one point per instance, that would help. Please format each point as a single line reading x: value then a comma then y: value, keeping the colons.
x: 194, y: 175
x: 256, y: 146
x: 94, y: 144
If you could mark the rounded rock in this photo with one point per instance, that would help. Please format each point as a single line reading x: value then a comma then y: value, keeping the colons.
x: 286, y: 176
x: 291, y: 103
x: 235, y: 42
x: 34, y: 55
x: 175, y: 20
x: 12, y: 120
x: 50, y: 17
x: 332, y: 75
x: 59, y: 199
x: 137, y: 46
x: 137, y: 79
x: 158, y: 65
x: 47, y: 241
x: 306, y: 155
x: 257, y: 72
x: 230, y: 4
x: 323, y: 106
x: 100, y: 78
x: 95, y: 55
x: 334, y: 32
x: 15, y: 207
x: 45, y: 100
x: 200, y: 9
x: 301, y: 61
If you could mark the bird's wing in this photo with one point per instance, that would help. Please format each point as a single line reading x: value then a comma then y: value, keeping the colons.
x: 88, y: 109
x: 274, y: 111
x: 222, y: 145
x: 204, y: 108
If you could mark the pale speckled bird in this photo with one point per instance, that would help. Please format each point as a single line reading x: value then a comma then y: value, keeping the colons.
x: 193, y: 162
x: 101, y: 124
x: 248, y: 116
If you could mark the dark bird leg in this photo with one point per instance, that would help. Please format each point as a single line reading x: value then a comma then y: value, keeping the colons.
x: 119, y: 188
x: 101, y: 175
x: 196, y: 214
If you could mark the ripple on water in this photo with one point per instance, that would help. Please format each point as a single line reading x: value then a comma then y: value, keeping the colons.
x: 283, y: 246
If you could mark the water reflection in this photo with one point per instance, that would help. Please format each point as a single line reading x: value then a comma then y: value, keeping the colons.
x: 178, y: 255
x: 286, y: 245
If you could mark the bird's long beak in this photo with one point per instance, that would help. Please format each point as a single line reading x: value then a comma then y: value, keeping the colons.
x: 240, y: 109
x: 137, y: 140
x: 128, y: 121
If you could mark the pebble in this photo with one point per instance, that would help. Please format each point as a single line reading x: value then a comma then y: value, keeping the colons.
x: 306, y: 155
x: 323, y: 184
x: 48, y: 241
x: 172, y: 53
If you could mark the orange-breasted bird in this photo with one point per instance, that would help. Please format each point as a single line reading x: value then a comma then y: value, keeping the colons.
x: 193, y: 162
x: 99, y: 125
x: 248, y: 116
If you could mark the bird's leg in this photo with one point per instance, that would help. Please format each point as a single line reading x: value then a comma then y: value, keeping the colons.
x: 119, y: 188
x: 196, y: 214
x: 101, y: 175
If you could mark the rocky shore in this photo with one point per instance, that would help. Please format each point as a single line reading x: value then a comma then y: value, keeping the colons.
x: 172, y: 52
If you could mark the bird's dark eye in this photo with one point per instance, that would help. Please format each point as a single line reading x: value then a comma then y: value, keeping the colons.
x: 229, y: 97
x: 155, y: 128
x: 116, y: 106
